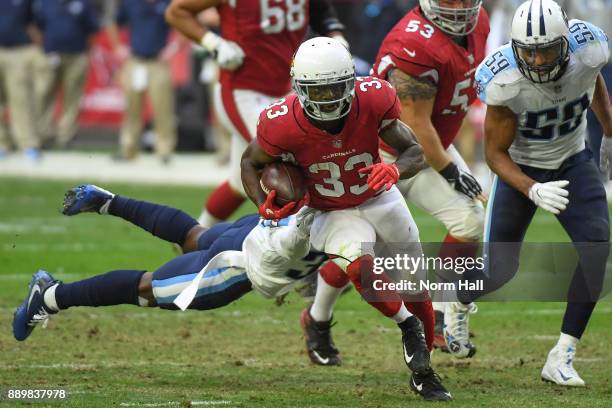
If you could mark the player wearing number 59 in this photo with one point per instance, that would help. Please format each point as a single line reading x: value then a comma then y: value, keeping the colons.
x: 538, y: 89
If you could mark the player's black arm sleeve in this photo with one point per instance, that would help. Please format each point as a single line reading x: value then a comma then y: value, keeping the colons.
x: 411, y: 159
x: 500, y: 127
x: 254, y: 159
x: 323, y: 18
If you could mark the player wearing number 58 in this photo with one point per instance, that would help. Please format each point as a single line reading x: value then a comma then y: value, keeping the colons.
x: 254, y: 49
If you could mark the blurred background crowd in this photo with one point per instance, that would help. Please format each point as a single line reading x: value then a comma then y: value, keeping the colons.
x: 111, y: 76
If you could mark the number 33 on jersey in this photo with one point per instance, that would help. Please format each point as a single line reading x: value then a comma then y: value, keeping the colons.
x: 331, y: 162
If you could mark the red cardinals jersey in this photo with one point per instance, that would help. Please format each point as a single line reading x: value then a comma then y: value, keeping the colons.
x: 420, y: 49
x: 330, y: 163
x: 269, y: 32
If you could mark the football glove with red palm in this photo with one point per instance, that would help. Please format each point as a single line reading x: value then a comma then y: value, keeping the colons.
x: 271, y: 211
x: 381, y: 174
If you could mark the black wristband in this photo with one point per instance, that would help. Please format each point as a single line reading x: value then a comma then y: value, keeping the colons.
x: 450, y: 172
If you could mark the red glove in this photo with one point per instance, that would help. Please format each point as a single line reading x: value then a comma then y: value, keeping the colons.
x: 381, y: 174
x: 271, y: 211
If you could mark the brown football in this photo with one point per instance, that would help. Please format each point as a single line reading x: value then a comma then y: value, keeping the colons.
x: 286, y: 179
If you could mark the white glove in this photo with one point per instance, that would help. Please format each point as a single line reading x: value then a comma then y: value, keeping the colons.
x: 304, y: 219
x: 605, y: 156
x: 228, y: 54
x: 550, y: 196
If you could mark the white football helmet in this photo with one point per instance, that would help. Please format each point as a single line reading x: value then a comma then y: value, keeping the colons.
x: 454, y: 21
x: 540, y: 42
x: 323, y: 76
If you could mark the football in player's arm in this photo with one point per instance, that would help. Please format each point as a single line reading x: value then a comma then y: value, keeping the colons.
x: 396, y: 134
x: 254, y: 51
x: 331, y: 128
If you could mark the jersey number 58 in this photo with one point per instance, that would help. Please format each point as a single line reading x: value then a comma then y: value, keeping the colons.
x: 274, y: 18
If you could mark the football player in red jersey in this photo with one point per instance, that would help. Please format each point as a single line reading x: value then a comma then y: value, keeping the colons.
x: 330, y: 128
x: 430, y: 57
x: 258, y: 39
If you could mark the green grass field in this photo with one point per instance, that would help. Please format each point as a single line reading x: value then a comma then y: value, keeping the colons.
x: 251, y: 352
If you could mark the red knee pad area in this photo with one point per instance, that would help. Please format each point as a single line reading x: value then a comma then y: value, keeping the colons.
x: 360, y: 272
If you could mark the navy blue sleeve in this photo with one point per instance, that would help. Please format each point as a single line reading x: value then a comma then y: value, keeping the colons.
x: 92, y: 20
x: 37, y: 13
x: 122, y: 13
x: 29, y: 5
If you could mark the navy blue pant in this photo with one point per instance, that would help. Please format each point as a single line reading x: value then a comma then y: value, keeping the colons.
x: 220, y: 286
x: 595, y: 132
x: 585, y: 220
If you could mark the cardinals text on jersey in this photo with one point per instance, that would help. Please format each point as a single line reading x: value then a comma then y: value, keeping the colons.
x: 331, y: 162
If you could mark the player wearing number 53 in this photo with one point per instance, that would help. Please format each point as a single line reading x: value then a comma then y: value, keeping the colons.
x: 330, y: 128
x: 537, y: 90
x: 430, y: 57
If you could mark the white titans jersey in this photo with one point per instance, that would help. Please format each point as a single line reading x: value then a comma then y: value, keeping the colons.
x: 551, y: 116
x: 278, y: 254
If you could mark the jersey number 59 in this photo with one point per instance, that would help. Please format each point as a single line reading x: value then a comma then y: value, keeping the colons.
x: 557, y: 121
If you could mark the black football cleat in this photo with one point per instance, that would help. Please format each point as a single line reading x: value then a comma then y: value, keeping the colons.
x: 416, y: 354
x: 319, y: 344
x: 429, y: 386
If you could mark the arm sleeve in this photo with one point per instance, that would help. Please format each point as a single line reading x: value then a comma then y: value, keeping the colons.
x: 29, y: 11
x: 122, y: 15
x: 36, y: 14
x: 415, y: 58
x: 289, y: 243
x: 391, y: 107
x: 323, y: 18
x: 93, y: 20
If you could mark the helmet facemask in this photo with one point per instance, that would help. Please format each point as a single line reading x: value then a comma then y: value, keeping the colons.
x: 553, y: 58
x: 326, y: 99
x: 452, y: 21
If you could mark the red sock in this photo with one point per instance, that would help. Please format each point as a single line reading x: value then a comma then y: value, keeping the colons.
x: 360, y: 272
x: 424, y: 311
x: 223, y: 202
x: 333, y: 275
x: 457, y: 248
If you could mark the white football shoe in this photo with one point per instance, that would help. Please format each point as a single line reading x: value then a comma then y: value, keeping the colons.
x: 559, y: 367
x: 457, y: 330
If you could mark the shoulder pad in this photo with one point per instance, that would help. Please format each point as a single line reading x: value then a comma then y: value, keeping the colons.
x: 588, y: 43
x: 497, y: 77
